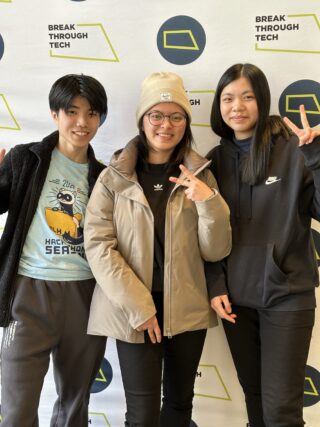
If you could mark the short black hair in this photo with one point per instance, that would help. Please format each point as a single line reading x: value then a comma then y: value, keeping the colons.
x: 67, y: 87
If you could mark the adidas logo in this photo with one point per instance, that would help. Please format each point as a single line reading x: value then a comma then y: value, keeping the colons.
x: 158, y: 187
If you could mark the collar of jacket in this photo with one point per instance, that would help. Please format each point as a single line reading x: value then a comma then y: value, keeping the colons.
x: 48, y: 144
x: 124, y: 161
x: 43, y: 150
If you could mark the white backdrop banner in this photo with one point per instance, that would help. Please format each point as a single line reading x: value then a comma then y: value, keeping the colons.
x: 120, y: 43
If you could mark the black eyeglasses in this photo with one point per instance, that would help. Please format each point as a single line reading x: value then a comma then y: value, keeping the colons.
x: 156, y: 118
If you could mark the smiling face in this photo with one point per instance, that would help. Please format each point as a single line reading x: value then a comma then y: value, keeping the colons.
x: 77, y: 126
x: 163, y: 138
x: 239, y: 109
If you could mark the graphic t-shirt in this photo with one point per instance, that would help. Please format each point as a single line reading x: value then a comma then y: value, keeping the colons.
x: 54, y: 249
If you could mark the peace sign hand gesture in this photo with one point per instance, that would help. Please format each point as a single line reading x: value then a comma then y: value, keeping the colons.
x: 306, y: 135
x: 196, y: 190
x: 2, y: 154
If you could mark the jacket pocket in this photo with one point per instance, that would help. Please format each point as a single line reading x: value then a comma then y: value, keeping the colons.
x: 254, y: 278
x: 275, y: 280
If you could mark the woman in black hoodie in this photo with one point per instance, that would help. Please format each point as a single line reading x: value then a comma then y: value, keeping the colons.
x: 271, y: 179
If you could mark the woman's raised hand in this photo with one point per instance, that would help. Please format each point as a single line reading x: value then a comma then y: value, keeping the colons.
x: 196, y: 190
x: 306, y: 135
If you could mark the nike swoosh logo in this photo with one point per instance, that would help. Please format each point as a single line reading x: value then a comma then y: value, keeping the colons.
x: 272, y: 179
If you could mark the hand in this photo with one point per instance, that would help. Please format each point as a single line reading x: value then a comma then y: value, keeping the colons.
x: 222, y: 307
x: 2, y: 153
x: 306, y: 135
x: 153, y: 329
x: 197, y: 190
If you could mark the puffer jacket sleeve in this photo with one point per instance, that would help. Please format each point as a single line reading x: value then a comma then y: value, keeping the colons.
x: 214, y: 230
x: 118, y: 281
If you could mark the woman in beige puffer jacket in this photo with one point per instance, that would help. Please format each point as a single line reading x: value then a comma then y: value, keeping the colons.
x: 154, y: 217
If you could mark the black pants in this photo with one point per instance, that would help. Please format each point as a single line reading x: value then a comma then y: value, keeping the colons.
x: 270, y: 350
x: 141, y: 368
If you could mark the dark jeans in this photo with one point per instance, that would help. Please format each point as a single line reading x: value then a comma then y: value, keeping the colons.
x: 270, y: 350
x: 141, y: 368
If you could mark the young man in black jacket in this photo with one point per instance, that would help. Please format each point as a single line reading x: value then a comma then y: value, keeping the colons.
x: 45, y: 281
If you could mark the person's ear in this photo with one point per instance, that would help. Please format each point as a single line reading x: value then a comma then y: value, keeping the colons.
x: 54, y: 115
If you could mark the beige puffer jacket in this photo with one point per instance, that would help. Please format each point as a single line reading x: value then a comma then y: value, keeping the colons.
x: 119, y: 233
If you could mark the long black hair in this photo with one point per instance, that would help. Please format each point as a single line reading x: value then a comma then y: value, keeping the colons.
x: 254, y: 167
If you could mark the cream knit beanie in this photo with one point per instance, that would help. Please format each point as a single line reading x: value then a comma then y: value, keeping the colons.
x: 162, y: 87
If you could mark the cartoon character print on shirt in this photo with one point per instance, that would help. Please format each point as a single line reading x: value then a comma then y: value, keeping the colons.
x: 64, y: 217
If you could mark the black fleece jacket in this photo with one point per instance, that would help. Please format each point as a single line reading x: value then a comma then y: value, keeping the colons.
x: 272, y: 264
x: 22, y: 175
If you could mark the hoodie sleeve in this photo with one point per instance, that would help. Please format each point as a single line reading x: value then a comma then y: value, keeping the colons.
x: 311, y: 153
x: 117, y: 280
x: 214, y: 230
x: 215, y: 278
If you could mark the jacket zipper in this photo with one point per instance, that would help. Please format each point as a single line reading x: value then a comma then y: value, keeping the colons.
x: 24, y: 235
x: 195, y: 173
x: 169, y: 333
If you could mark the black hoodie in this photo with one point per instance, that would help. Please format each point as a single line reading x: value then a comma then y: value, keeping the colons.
x: 272, y: 264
